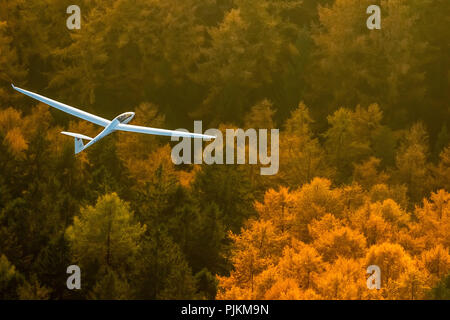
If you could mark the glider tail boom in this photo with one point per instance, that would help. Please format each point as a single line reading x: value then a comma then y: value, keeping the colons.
x: 79, y: 145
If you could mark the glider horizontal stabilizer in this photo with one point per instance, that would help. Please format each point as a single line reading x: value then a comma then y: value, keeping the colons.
x: 79, y: 145
x: 77, y: 135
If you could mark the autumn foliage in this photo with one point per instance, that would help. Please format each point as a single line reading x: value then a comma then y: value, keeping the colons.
x: 312, y: 243
x: 364, y: 154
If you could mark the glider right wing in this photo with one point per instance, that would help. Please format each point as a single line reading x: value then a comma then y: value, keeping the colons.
x: 63, y: 107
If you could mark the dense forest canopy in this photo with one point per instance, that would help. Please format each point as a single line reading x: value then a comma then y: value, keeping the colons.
x: 364, y: 173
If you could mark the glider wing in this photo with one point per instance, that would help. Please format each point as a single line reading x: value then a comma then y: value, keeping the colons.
x: 63, y: 107
x: 161, y: 132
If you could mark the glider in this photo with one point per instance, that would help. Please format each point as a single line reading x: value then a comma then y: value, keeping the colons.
x: 119, y: 123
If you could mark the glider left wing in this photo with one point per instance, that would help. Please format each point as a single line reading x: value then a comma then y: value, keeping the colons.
x: 63, y: 107
x: 161, y: 132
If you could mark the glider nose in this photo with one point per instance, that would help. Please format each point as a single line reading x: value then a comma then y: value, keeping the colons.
x: 125, y: 117
x: 130, y: 117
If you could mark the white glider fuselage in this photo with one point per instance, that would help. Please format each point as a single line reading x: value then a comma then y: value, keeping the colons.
x: 124, y: 118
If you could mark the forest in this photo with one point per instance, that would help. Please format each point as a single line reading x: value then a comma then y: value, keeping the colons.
x: 364, y: 168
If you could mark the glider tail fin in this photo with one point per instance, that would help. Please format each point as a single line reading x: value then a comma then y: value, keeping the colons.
x: 79, y: 145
